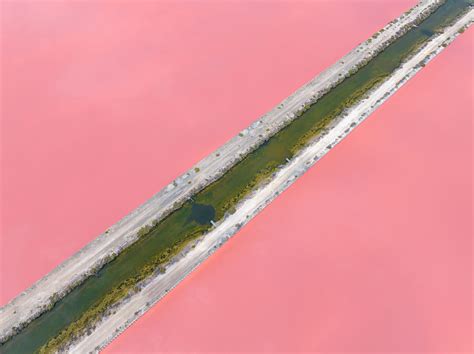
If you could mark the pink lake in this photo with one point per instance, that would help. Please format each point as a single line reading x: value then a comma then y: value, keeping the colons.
x: 104, y: 103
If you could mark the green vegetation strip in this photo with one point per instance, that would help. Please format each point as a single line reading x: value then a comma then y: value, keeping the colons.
x: 78, y: 312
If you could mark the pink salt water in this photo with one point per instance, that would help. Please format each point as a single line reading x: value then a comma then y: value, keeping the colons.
x: 103, y: 104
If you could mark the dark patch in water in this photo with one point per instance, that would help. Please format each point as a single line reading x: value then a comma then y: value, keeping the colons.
x: 426, y: 32
x: 202, y: 213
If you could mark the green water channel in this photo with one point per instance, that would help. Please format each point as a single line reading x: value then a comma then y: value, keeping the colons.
x: 194, y: 217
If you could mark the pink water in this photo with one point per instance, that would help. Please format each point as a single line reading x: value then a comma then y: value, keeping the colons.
x: 104, y: 103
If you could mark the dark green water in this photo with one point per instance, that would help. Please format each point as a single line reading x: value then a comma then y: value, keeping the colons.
x: 202, y: 214
x: 212, y: 202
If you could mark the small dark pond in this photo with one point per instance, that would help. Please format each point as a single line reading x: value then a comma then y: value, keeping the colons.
x: 426, y: 32
x: 202, y: 213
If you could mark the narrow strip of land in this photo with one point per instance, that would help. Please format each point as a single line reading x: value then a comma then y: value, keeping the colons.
x: 38, y: 298
x: 130, y: 310
x: 186, y: 232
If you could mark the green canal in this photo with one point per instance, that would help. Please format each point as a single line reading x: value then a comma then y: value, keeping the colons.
x: 166, y: 238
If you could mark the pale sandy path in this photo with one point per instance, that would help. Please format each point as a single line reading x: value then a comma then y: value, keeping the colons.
x: 130, y: 311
